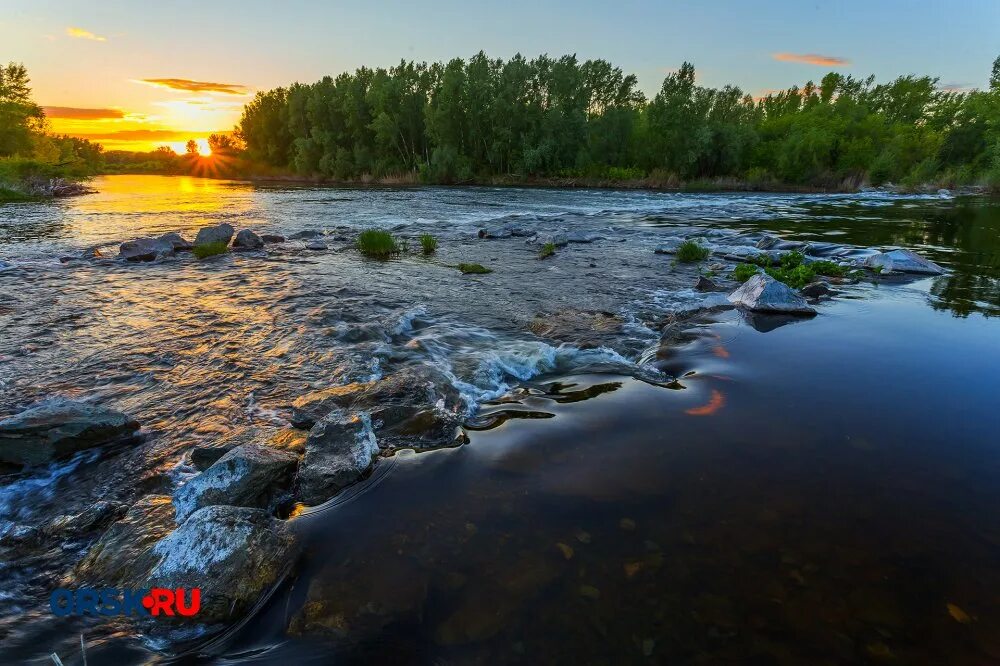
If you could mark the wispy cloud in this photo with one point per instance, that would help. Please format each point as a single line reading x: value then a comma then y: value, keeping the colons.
x: 75, y: 113
x: 955, y: 87
x: 188, y: 85
x: 812, y: 59
x: 80, y: 33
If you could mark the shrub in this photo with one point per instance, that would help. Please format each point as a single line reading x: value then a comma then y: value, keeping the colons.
x: 690, y: 251
x: 377, y: 244
x: 795, y: 277
x: 744, y: 272
x: 824, y: 267
x: 209, y: 249
x: 428, y: 243
x: 473, y: 268
x: 547, y: 251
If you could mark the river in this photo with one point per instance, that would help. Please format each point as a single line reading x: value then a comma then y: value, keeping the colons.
x: 819, y: 490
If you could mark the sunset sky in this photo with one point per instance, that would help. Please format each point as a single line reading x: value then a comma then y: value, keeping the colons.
x: 136, y: 76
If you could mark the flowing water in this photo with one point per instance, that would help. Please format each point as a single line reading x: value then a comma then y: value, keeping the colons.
x: 761, y: 491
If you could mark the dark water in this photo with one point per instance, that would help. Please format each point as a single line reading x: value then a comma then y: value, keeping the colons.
x: 814, y: 492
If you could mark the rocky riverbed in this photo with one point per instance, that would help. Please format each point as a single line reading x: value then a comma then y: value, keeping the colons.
x: 173, y: 416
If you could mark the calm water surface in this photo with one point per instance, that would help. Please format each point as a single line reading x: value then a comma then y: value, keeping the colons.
x: 768, y: 492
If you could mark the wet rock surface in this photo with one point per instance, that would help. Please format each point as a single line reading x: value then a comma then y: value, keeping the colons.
x: 248, y: 240
x: 178, y: 242
x: 220, y: 233
x: 146, y: 249
x: 582, y: 328
x: 59, y: 427
x: 905, y: 261
x: 762, y: 293
x: 340, y: 451
x: 250, y: 475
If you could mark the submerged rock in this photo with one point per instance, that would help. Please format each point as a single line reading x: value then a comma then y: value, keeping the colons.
x: 272, y: 238
x: 316, y: 245
x: 306, y: 234
x: 904, y: 261
x: 762, y: 293
x: 145, y: 249
x: 707, y: 284
x: 96, y: 516
x: 179, y: 243
x: 235, y: 555
x: 220, y: 233
x: 556, y: 238
x: 769, y: 242
x: 57, y: 428
x: 122, y: 556
x: 341, y: 450
x: 249, y: 475
x: 248, y: 240
x: 582, y: 328
x: 414, y: 406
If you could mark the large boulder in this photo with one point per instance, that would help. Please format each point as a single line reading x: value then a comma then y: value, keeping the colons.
x: 123, y: 556
x: 235, y: 555
x: 179, y: 243
x: 248, y: 240
x: 340, y: 451
x: 220, y: 233
x: 57, y: 428
x: 904, y: 261
x: 762, y: 293
x: 249, y: 475
x: 145, y: 249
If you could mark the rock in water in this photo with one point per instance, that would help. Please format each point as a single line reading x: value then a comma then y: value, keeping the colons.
x: 308, y: 233
x: 248, y: 240
x: 905, y: 261
x: 816, y: 289
x: 123, y: 556
x: 249, y: 475
x: 319, y: 246
x: 179, y: 243
x: 221, y: 233
x: 58, y: 428
x: 556, y: 238
x: 272, y: 238
x: 145, y: 249
x: 340, y: 450
x: 706, y: 284
x: 762, y: 293
x: 235, y: 555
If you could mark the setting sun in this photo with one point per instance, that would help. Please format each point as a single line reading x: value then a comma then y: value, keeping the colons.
x: 180, y: 147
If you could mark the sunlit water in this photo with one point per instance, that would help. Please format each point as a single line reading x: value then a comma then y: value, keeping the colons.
x: 816, y: 492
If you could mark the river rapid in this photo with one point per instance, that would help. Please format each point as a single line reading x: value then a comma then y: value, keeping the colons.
x: 755, y: 490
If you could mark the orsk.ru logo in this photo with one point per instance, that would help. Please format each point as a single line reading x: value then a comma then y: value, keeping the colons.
x: 157, y: 601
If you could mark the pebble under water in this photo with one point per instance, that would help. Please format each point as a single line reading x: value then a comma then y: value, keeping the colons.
x: 756, y: 490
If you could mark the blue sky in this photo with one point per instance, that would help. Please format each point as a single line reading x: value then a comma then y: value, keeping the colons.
x: 259, y: 45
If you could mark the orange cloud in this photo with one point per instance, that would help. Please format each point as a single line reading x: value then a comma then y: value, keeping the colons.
x: 74, y: 113
x: 812, y: 59
x: 136, y: 135
x: 188, y: 85
x: 80, y: 33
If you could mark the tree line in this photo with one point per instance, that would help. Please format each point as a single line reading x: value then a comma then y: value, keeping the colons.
x: 482, y: 118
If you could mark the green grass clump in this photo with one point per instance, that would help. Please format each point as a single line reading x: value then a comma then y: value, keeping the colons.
x: 744, y: 272
x: 547, y: 251
x: 377, y: 244
x: 795, y: 277
x: 824, y: 267
x: 11, y: 195
x: 690, y: 251
x: 210, y: 249
x: 428, y: 243
x: 473, y: 268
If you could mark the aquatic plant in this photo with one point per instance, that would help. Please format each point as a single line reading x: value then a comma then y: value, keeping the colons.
x: 377, y: 244
x: 547, y: 250
x: 428, y: 243
x: 795, y: 277
x: 690, y: 251
x: 824, y: 267
x: 744, y: 272
x: 209, y: 249
x: 473, y: 268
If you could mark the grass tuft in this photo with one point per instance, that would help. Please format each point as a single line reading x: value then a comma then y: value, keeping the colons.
x: 377, y: 244
x: 474, y: 268
x: 428, y: 243
x: 744, y: 272
x: 547, y: 251
x: 690, y: 251
x: 210, y: 249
